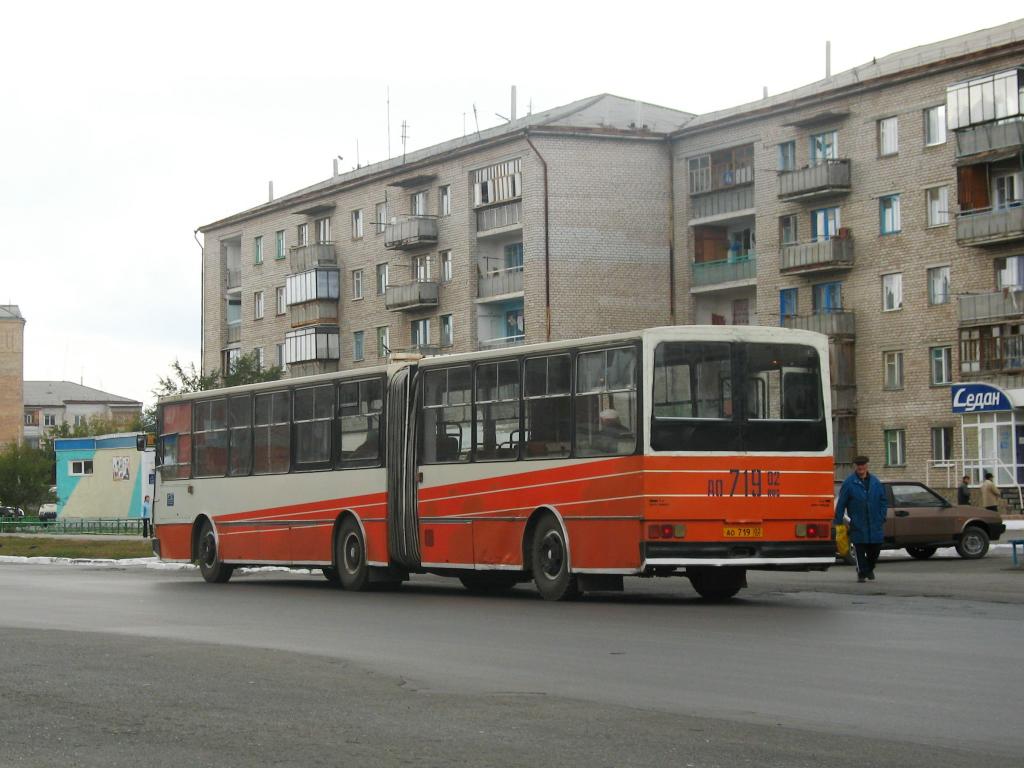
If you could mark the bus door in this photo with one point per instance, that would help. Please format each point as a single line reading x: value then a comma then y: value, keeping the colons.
x: 403, y: 516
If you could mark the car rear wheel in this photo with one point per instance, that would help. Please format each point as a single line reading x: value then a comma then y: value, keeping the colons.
x: 921, y: 553
x: 973, y: 543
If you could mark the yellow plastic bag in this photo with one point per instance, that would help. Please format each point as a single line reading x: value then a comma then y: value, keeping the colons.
x: 842, y: 541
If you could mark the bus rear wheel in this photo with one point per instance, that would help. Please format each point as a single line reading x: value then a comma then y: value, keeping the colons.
x: 716, y: 583
x: 210, y: 565
x: 350, y: 557
x: 549, y: 558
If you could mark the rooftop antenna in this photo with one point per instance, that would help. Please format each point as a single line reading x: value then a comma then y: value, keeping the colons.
x: 828, y: 58
x: 476, y: 120
x: 336, y: 161
x: 405, y: 136
x: 389, y: 121
x: 358, y: 165
x: 513, y: 110
x: 270, y: 191
x: 529, y: 108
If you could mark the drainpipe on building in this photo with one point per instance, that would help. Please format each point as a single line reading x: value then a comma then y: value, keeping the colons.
x: 547, y: 243
x: 202, y: 304
x: 671, y: 232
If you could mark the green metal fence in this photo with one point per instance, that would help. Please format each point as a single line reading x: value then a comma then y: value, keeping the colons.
x: 111, y: 527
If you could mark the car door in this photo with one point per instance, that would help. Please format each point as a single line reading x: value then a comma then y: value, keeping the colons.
x: 919, y: 515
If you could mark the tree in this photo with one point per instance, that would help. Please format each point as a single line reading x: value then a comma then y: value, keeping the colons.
x: 25, y: 475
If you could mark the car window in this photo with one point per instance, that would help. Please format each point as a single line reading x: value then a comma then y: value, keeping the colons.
x: 908, y: 495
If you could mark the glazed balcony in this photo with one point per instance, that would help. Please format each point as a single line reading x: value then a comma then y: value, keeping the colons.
x: 985, y: 307
x: 411, y: 296
x: 302, y: 258
x: 500, y: 282
x: 818, y: 256
x: 993, y: 354
x: 234, y: 332
x: 408, y: 232
x: 990, y: 137
x: 713, y: 273
x: 986, y: 226
x: 838, y: 323
x: 234, y: 278
x: 828, y: 177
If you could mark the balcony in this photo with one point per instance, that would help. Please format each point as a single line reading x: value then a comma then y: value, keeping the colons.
x: 985, y: 307
x: 500, y: 282
x: 993, y: 354
x: 234, y: 278
x: 234, y: 333
x: 844, y: 399
x: 427, y: 350
x: 499, y: 217
x: 723, y: 204
x: 990, y: 137
x: 411, y: 296
x: 838, y: 323
x: 986, y: 226
x: 310, y: 312
x: 408, y: 232
x: 829, y: 177
x: 503, y: 341
x: 302, y: 258
x: 712, y: 273
x: 818, y: 256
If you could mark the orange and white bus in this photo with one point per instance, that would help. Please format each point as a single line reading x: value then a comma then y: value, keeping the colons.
x: 698, y: 451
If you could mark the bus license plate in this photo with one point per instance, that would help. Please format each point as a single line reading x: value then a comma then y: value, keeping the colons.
x: 743, y: 532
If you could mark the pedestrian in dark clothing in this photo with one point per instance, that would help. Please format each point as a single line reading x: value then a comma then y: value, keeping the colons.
x: 963, y: 492
x: 862, y: 498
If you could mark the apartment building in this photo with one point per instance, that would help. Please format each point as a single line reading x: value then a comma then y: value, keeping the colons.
x: 12, y: 365
x: 49, y: 404
x: 880, y: 206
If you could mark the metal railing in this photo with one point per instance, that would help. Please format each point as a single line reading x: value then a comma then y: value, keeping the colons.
x: 410, y: 231
x: 504, y: 215
x: 838, y: 323
x: 411, y: 295
x: 991, y: 225
x: 503, y: 341
x: 828, y: 175
x: 952, y: 470
x: 498, y: 282
x: 1007, y: 134
x: 976, y: 307
x: 728, y: 271
x: 819, y: 255
x: 302, y: 258
x: 722, y: 202
x: 91, y: 526
x: 234, y: 278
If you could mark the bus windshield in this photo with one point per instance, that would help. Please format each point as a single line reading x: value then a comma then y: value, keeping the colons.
x: 724, y: 396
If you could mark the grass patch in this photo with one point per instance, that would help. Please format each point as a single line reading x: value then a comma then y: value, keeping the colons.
x: 43, y: 546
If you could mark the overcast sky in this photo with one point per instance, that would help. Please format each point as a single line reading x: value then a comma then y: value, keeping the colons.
x: 125, y: 126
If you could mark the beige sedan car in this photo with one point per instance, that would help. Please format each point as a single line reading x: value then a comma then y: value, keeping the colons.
x: 921, y: 521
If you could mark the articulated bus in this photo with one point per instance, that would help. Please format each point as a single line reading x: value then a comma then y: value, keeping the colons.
x: 697, y: 451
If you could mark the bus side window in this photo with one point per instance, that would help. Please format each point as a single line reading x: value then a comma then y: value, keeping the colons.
x: 547, y: 405
x: 447, y: 415
x: 359, y: 407
x: 606, y: 402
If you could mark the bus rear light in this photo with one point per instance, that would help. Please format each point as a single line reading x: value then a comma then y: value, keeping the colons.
x: 813, y: 530
x: 666, y: 531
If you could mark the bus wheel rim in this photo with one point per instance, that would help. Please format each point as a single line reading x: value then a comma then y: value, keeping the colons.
x: 353, y: 553
x: 552, y: 555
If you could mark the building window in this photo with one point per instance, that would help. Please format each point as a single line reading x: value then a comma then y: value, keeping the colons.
x: 825, y: 223
x: 446, y: 266
x: 383, y: 341
x: 418, y: 204
x: 83, y: 467
x: 447, y: 331
x: 279, y: 350
x: 741, y: 311
x: 382, y: 279
x: 313, y: 285
x: 421, y: 332
x: 1006, y: 190
x: 302, y: 235
x: 889, y: 214
x: 30, y: 419
x: 257, y: 354
x: 935, y: 126
x: 942, y: 365
x: 826, y: 298
x: 942, y: 443
x: 787, y: 303
x: 895, y: 447
x: 888, y: 136
x: 1010, y: 273
x: 787, y: 229
x: 282, y: 303
x: 444, y: 201
x: 257, y: 305
x: 80, y: 420
x: 382, y: 217
x: 892, y: 363
x: 496, y: 183
x: 937, y: 199
x: 824, y: 146
x: 323, y: 230
x: 357, y: 283
x: 257, y: 249
x: 357, y: 346
x: 938, y: 285
x: 279, y: 244
x: 787, y: 156
x: 892, y: 292
x: 49, y: 420
x: 357, y: 224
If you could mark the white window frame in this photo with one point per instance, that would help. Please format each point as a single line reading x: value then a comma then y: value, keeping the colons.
x: 938, y: 124
x: 280, y: 356
x: 381, y: 212
x: 381, y: 278
x: 895, y: 439
x: 257, y: 249
x: 946, y: 441
x: 280, y: 244
x: 444, y: 200
x: 357, y: 284
x: 888, y: 136
x: 889, y: 219
x: 257, y: 305
x: 358, y: 346
x: 383, y: 340
x: 302, y: 234
x: 892, y: 284
x: 282, y: 301
x: 257, y: 353
x: 892, y: 370
x: 447, y: 270
x: 49, y: 420
x: 941, y: 365
x: 418, y: 203
x: 357, y: 224
x: 447, y: 323
x: 81, y: 467
x: 937, y: 205
x: 935, y: 297
x: 420, y: 332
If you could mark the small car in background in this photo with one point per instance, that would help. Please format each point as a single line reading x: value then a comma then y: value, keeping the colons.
x: 921, y: 521
x: 48, y: 511
x: 11, y: 512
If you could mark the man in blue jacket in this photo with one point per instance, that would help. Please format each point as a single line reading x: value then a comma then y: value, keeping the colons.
x: 862, y: 498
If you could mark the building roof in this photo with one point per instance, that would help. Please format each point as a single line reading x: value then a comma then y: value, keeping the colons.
x: 878, y: 68
x: 602, y: 112
x: 58, y: 393
x: 10, y: 312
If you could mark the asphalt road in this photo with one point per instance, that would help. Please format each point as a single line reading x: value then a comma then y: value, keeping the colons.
x: 108, y: 666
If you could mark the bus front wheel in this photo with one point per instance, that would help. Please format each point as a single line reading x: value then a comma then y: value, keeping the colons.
x: 717, y: 583
x: 350, y: 556
x: 210, y: 565
x: 549, y: 558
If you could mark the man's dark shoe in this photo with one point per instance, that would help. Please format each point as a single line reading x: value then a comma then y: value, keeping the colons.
x: 871, y: 576
x: 861, y: 579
